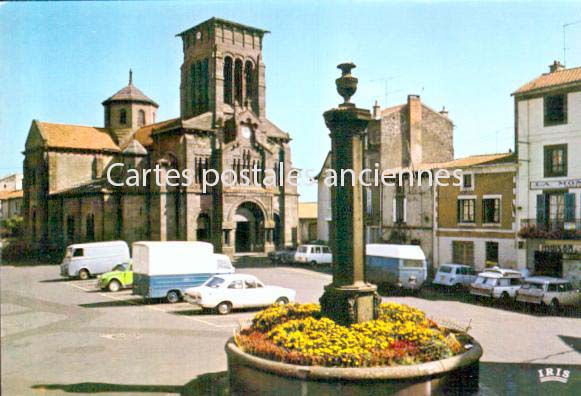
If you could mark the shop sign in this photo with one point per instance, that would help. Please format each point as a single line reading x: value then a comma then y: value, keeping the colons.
x: 550, y: 184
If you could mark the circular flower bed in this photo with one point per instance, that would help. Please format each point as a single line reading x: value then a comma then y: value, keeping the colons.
x: 298, y: 334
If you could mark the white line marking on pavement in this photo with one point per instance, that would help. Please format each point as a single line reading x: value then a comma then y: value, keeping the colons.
x: 111, y: 297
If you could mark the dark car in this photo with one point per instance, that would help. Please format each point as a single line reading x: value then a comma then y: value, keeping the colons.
x: 282, y: 256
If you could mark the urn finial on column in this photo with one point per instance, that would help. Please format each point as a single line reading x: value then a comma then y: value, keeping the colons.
x: 346, y: 84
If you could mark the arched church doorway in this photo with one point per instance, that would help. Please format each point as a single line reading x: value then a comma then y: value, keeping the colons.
x: 203, y: 228
x: 249, y: 220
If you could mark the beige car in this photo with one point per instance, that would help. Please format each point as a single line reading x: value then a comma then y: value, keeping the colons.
x: 547, y: 291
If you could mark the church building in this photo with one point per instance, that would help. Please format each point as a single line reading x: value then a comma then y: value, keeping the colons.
x: 222, y: 125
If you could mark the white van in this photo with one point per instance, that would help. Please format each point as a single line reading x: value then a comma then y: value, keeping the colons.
x: 85, y: 259
x: 314, y: 254
x: 167, y: 269
x: 404, y: 266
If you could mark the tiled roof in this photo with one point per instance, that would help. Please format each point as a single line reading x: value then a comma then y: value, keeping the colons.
x: 130, y: 93
x: 548, y: 80
x: 143, y: 134
x: 307, y: 210
x: 201, y: 122
x: 274, y: 131
x: 4, y: 195
x: 481, y: 159
x: 76, y: 136
x: 473, y: 160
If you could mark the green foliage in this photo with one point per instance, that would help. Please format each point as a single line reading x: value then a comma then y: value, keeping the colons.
x: 14, y: 226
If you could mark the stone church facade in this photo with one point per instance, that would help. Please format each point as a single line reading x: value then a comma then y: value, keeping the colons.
x: 222, y: 126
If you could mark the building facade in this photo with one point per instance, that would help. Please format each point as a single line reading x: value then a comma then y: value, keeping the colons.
x: 307, y: 222
x: 548, y: 141
x: 403, y: 138
x: 222, y: 127
x: 475, y: 221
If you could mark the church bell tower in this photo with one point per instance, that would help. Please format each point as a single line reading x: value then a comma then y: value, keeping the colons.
x: 222, y: 71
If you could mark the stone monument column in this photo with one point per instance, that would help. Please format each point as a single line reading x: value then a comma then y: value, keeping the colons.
x: 349, y: 298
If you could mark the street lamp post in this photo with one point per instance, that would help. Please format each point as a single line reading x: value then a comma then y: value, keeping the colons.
x: 349, y: 298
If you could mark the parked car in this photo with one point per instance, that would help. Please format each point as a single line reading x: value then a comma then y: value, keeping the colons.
x: 167, y: 269
x: 454, y: 275
x: 283, y: 256
x: 548, y: 291
x: 313, y: 254
x: 121, y: 277
x: 497, y: 283
x: 86, y: 259
x: 230, y: 291
x: 403, y: 266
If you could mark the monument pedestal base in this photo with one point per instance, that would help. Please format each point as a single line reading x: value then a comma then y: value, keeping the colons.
x: 350, y: 304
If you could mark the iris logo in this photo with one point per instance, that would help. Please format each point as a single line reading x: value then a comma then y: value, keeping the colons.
x: 551, y: 374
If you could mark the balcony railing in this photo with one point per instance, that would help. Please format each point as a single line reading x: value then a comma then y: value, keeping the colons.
x: 550, y: 229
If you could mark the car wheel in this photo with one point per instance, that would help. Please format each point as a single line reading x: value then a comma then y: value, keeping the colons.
x: 114, y: 286
x: 281, y: 301
x: 224, y: 308
x: 84, y: 274
x: 313, y: 263
x: 554, y: 305
x: 505, y: 298
x: 173, y: 296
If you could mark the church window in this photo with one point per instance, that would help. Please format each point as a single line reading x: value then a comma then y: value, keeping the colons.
x: 94, y: 170
x: 228, y: 80
x: 141, y: 118
x: 204, y: 83
x: 193, y: 83
x: 122, y: 116
x: 90, y: 225
x: 238, y: 80
x: 249, y: 76
x: 70, y: 228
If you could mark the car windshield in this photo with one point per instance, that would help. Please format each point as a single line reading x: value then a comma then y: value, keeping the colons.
x: 302, y: 249
x: 490, y: 281
x: 445, y: 269
x: 533, y: 286
x: 215, y: 282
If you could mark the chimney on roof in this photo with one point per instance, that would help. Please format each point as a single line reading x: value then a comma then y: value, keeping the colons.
x: 376, y: 109
x: 444, y: 111
x: 556, y: 66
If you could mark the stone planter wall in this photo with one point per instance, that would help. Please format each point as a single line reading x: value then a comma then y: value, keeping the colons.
x: 251, y: 375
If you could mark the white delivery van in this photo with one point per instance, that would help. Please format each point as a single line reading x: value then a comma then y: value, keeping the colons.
x: 313, y: 254
x: 167, y: 269
x: 402, y: 266
x: 85, y: 259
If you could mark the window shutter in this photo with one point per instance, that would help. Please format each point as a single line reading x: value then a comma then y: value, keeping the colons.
x: 405, y: 202
x: 394, y: 210
x: 570, y: 207
x: 541, y: 208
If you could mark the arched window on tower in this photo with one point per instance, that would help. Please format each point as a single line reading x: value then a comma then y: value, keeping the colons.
x: 193, y: 86
x: 123, y: 116
x: 238, y: 81
x: 141, y: 118
x: 228, y: 98
x: 249, y: 76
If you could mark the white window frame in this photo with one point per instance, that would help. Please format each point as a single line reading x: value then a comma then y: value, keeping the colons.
x: 471, y: 188
x: 493, y: 196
